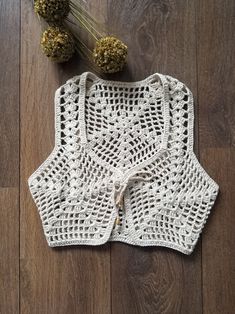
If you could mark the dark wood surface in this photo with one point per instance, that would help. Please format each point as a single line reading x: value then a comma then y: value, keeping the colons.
x: 191, y: 40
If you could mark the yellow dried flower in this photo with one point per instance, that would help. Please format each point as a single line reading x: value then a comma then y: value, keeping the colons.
x: 57, y: 44
x: 110, y: 54
x: 52, y: 10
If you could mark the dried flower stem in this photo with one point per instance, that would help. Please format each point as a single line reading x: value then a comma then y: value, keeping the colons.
x: 89, y: 25
x: 84, y: 25
x: 86, y: 20
x: 84, y: 54
x: 82, y: 47
x: 85, y: 14
x: 81, y: 44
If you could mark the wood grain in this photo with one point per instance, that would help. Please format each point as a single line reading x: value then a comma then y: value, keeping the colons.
x: 9, y: 96
x: 216, y: 63
x: 162, y: 38
x: 9, y: 250
x: 191, y: 40
x: 9, y: 156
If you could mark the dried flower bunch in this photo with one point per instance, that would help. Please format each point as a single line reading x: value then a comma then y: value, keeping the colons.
x: 53, y: 10
x: 59, y: 42
x: 110, y: 54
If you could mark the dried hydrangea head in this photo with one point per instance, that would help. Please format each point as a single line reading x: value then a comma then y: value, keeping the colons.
x: 57, y: 44
x: 110, y: 54
x: 52, y: 10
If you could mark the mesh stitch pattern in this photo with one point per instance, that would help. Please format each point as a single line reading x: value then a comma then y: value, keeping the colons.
x: 123, y: 150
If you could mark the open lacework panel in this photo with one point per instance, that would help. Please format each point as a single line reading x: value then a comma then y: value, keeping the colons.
x: 124, y: 122
x: 178, y: 203
x: 47, y: 181
x: 171, y: 209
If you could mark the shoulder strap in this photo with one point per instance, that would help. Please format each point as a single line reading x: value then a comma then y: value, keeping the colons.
x: 182, y: 115
x: 67, y: 98
x: 81, y: 106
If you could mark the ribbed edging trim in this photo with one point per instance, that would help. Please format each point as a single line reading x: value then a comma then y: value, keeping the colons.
x: 91, y: 242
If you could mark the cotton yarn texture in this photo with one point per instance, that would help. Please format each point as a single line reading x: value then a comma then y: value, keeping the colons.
x: 123, y: 166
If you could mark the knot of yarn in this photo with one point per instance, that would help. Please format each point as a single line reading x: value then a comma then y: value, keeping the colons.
x: 120, y: 187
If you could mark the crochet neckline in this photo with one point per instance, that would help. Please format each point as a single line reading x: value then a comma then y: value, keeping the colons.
x: 151, y: 79
x: 97, y: 79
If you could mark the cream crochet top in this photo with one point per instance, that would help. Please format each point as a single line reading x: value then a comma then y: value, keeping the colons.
x: 123, y: 166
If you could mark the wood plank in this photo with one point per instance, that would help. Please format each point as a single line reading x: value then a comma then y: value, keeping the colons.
x: 9, y: 250
x: 161, y: 36
x: 9, y: 96
x: 216, y: 62
x: 60, y: 280
x: 9, y: 152
x: 218, y: 239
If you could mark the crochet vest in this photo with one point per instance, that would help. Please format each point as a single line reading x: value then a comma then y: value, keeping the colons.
x: 123, y: 166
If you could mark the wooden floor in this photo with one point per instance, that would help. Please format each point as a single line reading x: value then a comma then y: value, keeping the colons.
x: 192, y: 40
